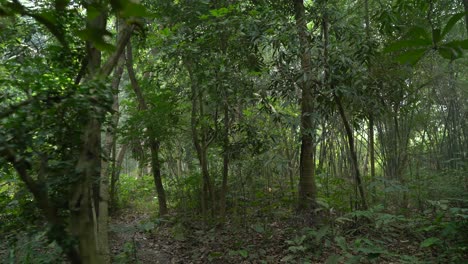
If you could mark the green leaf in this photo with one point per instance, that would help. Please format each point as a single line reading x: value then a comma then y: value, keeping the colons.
x: 410, y: 43
x: 452, y: 21
x: 244, y: 253
x: 341, y: 242
x: 462, y: 44
x: 411, y: 57
x: 322, y: 233
x: 287, y: 258
x: 418, y: 33
x: 295, y: 249
x: 449, y: 53
x: 333, y: 259
x: 215, y: 254
x: 430, y: 242
x: 148, y: 226
x: 96, y: 36
x: 219, y: 12
x: 49, y: 20
x: 134, y: 10
x: 259, y: 228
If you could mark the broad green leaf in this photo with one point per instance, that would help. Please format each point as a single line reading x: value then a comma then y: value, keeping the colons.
x: 418, y: 33
x: 430, y: 242
x: 134, y: 10
x: 450, y: 53
x: 219, y: 12
x: 463, y: 44
x: 452, y: 21
x: 96, y: 36
x: 410, y: 43
x: 244, y: 253
x: 411, y: 57
x: 259, y: 228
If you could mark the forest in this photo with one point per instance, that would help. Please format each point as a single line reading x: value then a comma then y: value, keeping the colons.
x: 224, y: 131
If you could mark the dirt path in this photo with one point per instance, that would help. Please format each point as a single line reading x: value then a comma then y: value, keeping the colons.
x: 130, y: 242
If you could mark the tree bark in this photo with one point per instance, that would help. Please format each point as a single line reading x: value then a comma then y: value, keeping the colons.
x: 200, y: 141
x: 83, y: 204
x: 116, y: 167
x: 371, y: 115
x: 156, y: 169
x: 352, y: 151
x: 224, y: 187
x: 372, y: 148
x: 153, y: 143
x: 307, y: 187
x: 86, y: 199
x: 109, y: 141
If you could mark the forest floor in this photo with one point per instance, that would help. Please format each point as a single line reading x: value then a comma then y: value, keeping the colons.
x: 138, y: 239
x: 135, y: 239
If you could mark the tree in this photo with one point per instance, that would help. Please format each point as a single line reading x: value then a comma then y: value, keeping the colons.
x: 154, y: 144
x: 307, y: 187
x: 81, y: 158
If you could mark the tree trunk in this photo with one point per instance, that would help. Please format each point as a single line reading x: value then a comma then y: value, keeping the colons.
x: 156, y: 169
x: 224, y: 186
x: 199, y: 138
x: 371, y: 114
x: 352, y: 150
x: 84, y: 217
x: 116, y: 167
x: 109, y: 141
x: 153, y: 143
x: 307, y: 188
x: 83, y: 204
x: 372, y: 150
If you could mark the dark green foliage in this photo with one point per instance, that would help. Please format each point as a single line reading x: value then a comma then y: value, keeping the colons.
x: 227, y: 75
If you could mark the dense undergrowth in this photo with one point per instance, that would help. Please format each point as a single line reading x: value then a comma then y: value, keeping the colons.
x: 266, y: 230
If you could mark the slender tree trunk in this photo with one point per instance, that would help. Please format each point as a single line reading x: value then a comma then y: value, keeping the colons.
x: 372, y: 149
x: 117, y: 165
x: 200, y: 140
x: 153, y: 143
x: 224, y: 187
x: 220, y: 78
x: 156, y: 169
x: 290, y: 156
x: 110, y: 145
x: 352, y: 150
x: 307, y: 188
x: 371, y: 115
